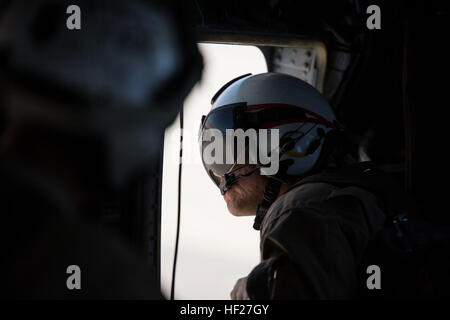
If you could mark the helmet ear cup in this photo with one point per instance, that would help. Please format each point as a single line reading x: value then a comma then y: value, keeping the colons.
x: 313, y: 146
x: 316, y: 142
x: 336, y: 146
x: 287, y: 143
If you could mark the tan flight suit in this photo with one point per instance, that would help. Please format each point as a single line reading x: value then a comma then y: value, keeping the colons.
x: 312, y: 241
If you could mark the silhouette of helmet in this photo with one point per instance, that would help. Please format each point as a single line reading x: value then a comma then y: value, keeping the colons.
x: 271, y: 101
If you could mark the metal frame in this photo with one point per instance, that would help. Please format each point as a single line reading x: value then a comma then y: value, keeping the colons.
x: 292, y: 41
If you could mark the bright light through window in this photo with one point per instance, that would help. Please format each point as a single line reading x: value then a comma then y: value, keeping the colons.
x: 215, y: 248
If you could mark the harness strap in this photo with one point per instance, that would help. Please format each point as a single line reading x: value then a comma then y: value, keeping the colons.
x: 271, y: 191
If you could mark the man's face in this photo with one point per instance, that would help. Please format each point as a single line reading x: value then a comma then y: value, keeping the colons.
x: 246, y: 194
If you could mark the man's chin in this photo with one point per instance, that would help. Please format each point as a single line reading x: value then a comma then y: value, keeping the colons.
x: 239, y: 211
x: 237, y: 205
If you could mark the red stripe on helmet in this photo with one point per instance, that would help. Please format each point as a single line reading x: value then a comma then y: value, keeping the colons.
x: 319, y: 119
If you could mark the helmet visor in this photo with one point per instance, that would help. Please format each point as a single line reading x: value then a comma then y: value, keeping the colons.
x: 212, y: 139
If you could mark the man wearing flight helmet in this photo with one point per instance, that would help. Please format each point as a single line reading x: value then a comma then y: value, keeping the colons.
x: 85, y: 110
x: 312, y: 234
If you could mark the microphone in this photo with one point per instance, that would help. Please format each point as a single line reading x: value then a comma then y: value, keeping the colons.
x: 230, y: 178
x: 227, y: 181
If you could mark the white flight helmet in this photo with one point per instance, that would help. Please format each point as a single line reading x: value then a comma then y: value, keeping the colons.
x: 272, y: 101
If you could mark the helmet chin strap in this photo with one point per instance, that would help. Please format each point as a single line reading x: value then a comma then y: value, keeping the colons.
x: 271, y: 191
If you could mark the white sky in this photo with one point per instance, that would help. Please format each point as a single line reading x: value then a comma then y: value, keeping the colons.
x: 215, y: 248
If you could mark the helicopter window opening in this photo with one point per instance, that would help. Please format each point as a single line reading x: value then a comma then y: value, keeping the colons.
x: 215, y: 248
